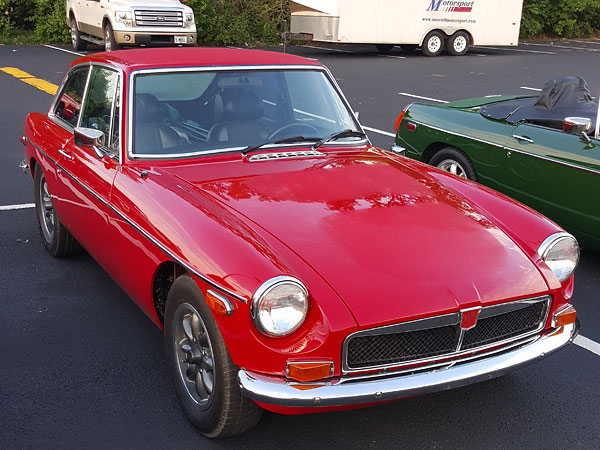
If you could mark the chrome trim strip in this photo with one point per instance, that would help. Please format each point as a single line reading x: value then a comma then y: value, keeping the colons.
x: 494, y: 310
x: 154, y: 241
x: 311, y: 67
x: 339, y: 392
x: 230, y: 309
x: 511, y: 149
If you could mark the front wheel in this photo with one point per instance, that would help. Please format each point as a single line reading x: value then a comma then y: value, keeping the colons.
x: 76, y: 41
x: 109, y: 39
x: 433, y: 44
x: 453, y: 160
x: 205, y: 377
x: 458, y: 43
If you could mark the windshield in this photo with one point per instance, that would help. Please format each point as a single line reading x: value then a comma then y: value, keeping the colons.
x: 185, y: 113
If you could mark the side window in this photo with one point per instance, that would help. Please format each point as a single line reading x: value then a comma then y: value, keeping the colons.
x: 101, y: 108
x: 68, y: 106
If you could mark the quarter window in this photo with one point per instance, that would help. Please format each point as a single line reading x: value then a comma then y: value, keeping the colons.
x: 101, y: 107
x: 68, y: 106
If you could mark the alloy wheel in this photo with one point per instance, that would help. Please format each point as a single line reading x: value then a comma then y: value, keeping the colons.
x: 452, y: 166
x: 46, y: 211
x: 194, y: 353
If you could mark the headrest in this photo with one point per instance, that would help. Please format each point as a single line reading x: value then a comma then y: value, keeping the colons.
x: 147, y: 108
x: 242, y: 105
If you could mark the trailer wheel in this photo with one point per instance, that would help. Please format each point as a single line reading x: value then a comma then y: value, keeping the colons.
x: 433, y: 44
x: 458, y: 44
x: 384, y: 48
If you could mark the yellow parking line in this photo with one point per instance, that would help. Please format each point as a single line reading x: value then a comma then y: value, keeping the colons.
x: 42, y: 85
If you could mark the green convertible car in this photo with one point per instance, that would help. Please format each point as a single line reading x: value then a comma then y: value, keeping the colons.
x: 543, y: 151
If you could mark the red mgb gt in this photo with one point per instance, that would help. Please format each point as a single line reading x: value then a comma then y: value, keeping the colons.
x: 294, y: 267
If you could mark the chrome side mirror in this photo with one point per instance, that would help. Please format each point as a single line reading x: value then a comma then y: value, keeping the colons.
x: 578, y: 125
x: 90, y: 137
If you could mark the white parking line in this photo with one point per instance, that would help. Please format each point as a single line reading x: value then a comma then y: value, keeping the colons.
x: 515, y: 50
x: 64, y: 50
x: 422, y: 98
x: 530, y: 88
x: 569, y: 47
x: 375, y: 130
x: 12, y: 207
x: 588, y: 344
x: 327, y: 48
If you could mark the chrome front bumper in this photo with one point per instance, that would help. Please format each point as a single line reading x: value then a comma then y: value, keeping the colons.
x: 349, y: 391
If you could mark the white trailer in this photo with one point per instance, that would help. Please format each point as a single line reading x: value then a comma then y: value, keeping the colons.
x: 431, y: 24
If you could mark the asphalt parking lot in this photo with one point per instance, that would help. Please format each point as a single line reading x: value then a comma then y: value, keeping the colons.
x: 82, y: 366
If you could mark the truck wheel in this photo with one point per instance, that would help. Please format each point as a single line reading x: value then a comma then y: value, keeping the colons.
x: 76, y: 41
x: 384, y: 48
x: 453, y: 160
x: 204, y: 375
x: 433, y: 44
x: 408, y: 47
x: 109, y: 39
x: 458, y: 44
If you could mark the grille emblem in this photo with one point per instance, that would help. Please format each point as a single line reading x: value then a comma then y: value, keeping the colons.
x: 469, y: 317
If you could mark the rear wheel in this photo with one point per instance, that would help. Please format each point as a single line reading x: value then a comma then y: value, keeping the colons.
x: 109, y: 39
x: 205, y: 377
x: 458, y: 43
x: 76, y: 41
x: 384, y: 48
x: 57, y: 239
x: 433, y: 44
x: 455, y: 161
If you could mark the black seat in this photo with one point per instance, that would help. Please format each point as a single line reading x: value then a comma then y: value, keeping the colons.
x: 238, y: 118
x: 152, y: 134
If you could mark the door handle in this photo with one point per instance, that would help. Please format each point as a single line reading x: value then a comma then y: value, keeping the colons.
x: 522, y: 138
x: 66, y: 154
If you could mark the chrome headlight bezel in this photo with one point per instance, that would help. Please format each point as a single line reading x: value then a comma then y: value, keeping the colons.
x: 261, y: 295
x: 549, y: 246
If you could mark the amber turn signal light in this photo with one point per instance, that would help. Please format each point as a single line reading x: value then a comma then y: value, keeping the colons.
x: 219, y: 303
x: 565, y: 315
x: 309, y: 371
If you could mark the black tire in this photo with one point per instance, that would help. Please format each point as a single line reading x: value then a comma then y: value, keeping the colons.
x: 109, y: 39
x: 224, y: 411
x: 76, y: 41
x: 409, y: 47
x: 56, y: 238
x: 458, y: 43
x: 455, y: 161
x: 433, y: 44
x: 384, y: 48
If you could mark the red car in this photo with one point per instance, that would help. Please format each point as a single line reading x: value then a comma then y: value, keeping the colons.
x: 293, y: 266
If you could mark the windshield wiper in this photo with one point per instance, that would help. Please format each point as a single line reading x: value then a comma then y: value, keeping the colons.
x: 339, y: 135
x: 252, y: 148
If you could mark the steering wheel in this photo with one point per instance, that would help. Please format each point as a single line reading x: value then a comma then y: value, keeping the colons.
x: 304, y: 129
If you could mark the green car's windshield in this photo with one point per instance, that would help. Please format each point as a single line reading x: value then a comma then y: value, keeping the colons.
x: 187, y: 113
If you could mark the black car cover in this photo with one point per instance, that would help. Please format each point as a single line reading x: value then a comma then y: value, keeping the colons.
x: 560, y: 98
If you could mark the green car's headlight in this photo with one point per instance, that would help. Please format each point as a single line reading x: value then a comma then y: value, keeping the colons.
x: 560, y: 252
x: 279, y: 306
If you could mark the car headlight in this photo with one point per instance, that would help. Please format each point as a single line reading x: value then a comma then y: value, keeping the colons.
x: 560, y: 252
x: 123, y: 17
x: 189, y: 17
x: 279, y: 306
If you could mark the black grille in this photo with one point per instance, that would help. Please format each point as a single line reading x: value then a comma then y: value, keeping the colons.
x: 364, y: 351
x: 150, y: 18
x: 504, y: 326
x: 371, y: 350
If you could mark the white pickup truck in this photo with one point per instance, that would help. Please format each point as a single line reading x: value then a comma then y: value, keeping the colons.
x: 114, y: 23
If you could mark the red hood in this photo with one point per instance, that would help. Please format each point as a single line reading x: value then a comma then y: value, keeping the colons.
x: 389, y: 238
